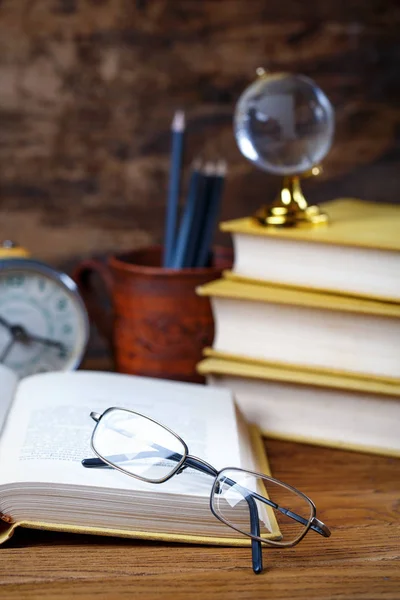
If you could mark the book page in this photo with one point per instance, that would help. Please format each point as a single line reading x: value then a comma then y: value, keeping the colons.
x: 8, y: 384
x: 48, y: 430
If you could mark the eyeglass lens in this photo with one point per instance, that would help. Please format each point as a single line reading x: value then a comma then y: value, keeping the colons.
x: 230, y: 502
x: 138, y: 445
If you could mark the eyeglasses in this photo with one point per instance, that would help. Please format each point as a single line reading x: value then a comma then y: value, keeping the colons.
x: 255, y: 505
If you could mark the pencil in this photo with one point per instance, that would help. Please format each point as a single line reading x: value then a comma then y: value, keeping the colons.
x: 209, y: 173
x: 178, y: 131
x: 212, y: 211
x: 190, y: 221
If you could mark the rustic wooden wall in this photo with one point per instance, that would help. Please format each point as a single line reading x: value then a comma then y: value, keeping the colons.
x: 88, y: 89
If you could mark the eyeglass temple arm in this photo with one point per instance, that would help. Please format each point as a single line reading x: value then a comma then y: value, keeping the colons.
x: 194, y: 463
x: 256, y: 548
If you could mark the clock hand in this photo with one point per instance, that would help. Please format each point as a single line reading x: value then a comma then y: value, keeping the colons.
x: 20, y: 334
x: 46, y: 341
x: 6, y: 350
x: 5, y: 323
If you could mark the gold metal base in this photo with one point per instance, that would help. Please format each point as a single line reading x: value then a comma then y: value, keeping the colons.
x: 290, y: 209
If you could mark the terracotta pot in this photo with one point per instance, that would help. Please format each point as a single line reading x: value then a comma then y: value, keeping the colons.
x: 158, y: 326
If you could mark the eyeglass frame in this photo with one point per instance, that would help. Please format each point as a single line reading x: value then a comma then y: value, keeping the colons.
x: 190, y: 461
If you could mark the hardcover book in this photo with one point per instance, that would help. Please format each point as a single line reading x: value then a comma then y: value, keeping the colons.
x: 295, y: 328
x: 46, y: 432
x: 315, y: 408
x: 357, y: 253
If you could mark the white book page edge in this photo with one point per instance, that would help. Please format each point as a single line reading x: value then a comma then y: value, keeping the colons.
x: 8, y: 385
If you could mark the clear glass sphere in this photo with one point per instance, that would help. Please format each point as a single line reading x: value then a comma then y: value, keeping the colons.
x: 284, y: 123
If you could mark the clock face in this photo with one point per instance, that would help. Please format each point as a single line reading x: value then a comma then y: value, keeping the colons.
x: 43, y: 322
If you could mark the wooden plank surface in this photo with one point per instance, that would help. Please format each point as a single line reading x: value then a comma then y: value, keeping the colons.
x: 356, y: 495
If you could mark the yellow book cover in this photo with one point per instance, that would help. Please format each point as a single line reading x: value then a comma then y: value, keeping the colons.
x: 217, y: 362
x: 356, y: 254
x: 310, y: 407
x: 226, y: 288
x: 352, y: 222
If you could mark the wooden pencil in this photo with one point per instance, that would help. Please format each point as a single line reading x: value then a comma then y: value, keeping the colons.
x: 211, y: 216
x: 187, y: 231
x: 178, y: 130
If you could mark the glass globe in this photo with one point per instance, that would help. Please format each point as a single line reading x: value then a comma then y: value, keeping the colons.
x: 284, y: 123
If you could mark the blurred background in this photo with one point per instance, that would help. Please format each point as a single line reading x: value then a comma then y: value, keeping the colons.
x: 88, y: 89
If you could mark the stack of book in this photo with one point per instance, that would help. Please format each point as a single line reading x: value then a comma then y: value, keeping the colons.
x: 308, y: 328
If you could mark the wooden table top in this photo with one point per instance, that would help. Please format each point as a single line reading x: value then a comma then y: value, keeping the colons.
x: 357, y: 496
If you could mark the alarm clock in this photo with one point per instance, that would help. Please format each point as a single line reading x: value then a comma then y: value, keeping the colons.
x: 43, y: 321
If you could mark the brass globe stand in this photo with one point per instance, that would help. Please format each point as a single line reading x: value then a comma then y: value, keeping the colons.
x: 290, y: 209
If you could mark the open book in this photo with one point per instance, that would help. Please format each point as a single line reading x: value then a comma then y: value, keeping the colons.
x: 45, y: 433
